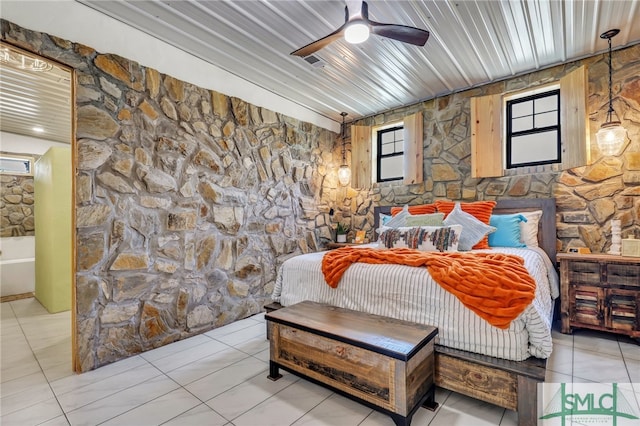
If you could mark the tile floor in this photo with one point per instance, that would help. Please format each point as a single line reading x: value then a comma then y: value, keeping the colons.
x: 219, y: 378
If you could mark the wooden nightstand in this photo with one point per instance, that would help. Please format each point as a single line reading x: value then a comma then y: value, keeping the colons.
x: 601, y: 292
x: 332, y: 246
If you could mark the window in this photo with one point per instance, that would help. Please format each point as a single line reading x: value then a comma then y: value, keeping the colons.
x: 390, y: 154
x: 533, y: 130
x: 489, y: 134
x: 398, y: 158
x: 11, y: 165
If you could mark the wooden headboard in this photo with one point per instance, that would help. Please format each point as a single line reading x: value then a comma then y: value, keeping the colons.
x: 546, y: 227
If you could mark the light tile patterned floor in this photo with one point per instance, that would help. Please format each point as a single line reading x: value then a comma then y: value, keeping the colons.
x: 219, y: 378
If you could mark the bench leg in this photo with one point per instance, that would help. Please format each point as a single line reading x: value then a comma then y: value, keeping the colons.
x: 274, y: 371
x: 401, y: 420
x: 430, y: 403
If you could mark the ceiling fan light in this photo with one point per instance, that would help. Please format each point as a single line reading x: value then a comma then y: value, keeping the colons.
x: 356, y: 32
x: 610, y: 137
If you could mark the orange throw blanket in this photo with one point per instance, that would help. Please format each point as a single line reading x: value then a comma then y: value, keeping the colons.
x: 496, y: 286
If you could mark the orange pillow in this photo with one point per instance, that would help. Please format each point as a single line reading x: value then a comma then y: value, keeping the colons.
x: 481, y: 210
x: 421, y: 209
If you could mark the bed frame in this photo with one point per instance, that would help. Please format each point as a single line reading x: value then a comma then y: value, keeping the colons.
x: 508, y: 384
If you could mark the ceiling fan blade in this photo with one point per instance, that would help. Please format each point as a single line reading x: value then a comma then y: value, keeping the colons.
x: 401, y: 33
x: 356, y: 7
x: 319, y: 44
x: 325, y: 41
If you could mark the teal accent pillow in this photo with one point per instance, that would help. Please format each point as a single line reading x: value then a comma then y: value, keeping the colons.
x: 507, y: 232
x: 384, y: 218
x: 473, y: 230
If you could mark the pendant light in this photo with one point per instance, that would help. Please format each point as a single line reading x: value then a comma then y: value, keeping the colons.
x: 344, y: 172
x: 611, y: 135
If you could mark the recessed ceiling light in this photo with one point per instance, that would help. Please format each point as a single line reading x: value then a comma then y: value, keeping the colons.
x: 38, y: 129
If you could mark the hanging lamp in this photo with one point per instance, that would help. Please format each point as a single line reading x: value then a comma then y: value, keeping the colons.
x: 344, y: 172
x: 611, y: 135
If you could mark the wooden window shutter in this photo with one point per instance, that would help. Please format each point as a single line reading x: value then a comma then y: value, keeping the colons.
x: 576, y: 148
x: 486, y: 136
x: 361, y: 157
x: 413, y: 148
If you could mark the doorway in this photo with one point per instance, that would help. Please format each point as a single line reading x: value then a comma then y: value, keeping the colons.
x: 36, y: 110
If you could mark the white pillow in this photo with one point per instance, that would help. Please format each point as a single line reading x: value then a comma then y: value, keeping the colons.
x: 473, y: 230
x: 529, y: 229
x: 399, y: 219
x: 423, y: 238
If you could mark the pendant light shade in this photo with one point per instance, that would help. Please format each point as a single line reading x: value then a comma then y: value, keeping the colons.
x: 611, y: 135
x: 344, y: 172
x: 344, y: 175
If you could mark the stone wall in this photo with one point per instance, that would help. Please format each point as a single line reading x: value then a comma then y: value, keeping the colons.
x: 186, y: 200
x: 587, y: 198
x: 16, y: 206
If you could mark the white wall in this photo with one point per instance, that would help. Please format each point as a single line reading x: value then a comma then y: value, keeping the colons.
x: 19, y: 144
x: 78, y: 23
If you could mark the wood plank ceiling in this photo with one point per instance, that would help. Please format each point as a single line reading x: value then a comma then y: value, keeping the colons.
x: 472, y: 42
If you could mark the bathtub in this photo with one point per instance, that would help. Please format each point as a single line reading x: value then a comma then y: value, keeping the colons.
x: 17, y: 265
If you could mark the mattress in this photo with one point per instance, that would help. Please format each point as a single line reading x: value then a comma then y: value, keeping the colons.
x: 410, y: 294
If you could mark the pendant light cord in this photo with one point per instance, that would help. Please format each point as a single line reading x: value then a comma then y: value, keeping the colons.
x: 609, y: 113
x: 342, y: 135
x: 609, y: 35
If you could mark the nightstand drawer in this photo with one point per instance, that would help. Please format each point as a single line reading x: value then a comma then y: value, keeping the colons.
x: 584, y: 272
x: 623, y: 274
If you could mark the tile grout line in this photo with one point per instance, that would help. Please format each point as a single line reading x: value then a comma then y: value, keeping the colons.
x: 26, y: 338
x: 112, y: 394
x: 229, y: 421
x: 159, y: 396
x: 141, y: 355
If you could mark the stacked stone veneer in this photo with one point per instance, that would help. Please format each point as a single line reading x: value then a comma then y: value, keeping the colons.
x: 187, y: 201
x: 16, y: 205
x: 587, y: 198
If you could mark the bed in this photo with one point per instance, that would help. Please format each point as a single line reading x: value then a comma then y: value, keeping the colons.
x: 472, y: 357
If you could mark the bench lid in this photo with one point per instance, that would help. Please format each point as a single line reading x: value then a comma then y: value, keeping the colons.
x: 388, y: 336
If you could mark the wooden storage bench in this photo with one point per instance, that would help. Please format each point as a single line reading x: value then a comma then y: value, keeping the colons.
x: 384, y: 363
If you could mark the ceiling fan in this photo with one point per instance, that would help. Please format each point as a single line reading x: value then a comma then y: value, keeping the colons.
x: 356, y: 29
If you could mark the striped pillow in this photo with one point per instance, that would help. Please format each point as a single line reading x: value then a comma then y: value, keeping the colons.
x: 481, y: 210
x: 473, y: 230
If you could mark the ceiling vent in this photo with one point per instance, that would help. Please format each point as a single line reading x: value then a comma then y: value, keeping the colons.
x: 315, y: 61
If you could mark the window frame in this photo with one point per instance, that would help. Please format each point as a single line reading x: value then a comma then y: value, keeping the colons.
x: 379, y: 156
x: 21, y: 158
x: 509, y: 134
x: 488, y: 128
